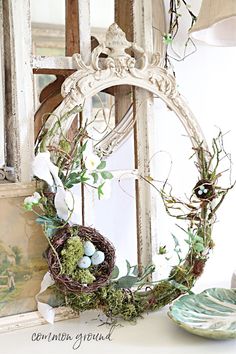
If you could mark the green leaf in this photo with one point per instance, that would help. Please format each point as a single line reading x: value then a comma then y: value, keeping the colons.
x: 73, y: 176
x: 175, y: 240
x: 83, y: 147
x: 198, y: 239
x: 83, y: 179
x: 147, y: 271
x: 100, y: 191
x: 181, y: 287
x: 115, y: 273
x: 28, y: 206
x: 50, y: 231
x: 162, y: 250
x: 95, y: 177
x: 127, y: 282
x: 188, y: 242
x: 128, y: 265
x: 102, y: 165
x: 135, y: 271
x: 198, y: 247
x: 44, y: 219
x: 106, y: 175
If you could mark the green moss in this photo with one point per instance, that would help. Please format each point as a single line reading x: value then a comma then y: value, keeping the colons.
x: 83, y: 276
x: 114, y: 301
x: 70, y: 255
x: 129, y: 312
x: 82, y: 302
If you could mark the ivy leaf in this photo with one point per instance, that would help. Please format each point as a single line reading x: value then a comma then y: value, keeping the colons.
x: 115, y: 273
x: 102, y: 165
x: 95, y: 177
x: 126, y: 282
x: 106, y: 175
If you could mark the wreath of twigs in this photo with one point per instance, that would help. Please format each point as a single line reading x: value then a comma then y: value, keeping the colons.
x: 200, y: 214
x: 131, y: 295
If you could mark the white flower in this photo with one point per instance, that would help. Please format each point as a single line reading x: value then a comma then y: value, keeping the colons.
x: 44, y: 169
x: 106, y: 191
x: 68, y: 204
x: 91, y: 162
x: 32, y: 200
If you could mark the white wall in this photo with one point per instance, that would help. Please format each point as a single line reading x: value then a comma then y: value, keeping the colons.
x: 207, y: 80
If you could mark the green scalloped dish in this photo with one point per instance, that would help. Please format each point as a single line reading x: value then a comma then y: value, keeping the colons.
x: 210, y: 314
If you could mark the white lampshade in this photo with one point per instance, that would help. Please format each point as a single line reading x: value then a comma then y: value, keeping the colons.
x: 216, y: 23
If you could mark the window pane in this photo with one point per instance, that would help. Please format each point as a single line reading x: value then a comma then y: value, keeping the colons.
x: 97, y: 9
x: 48, y: 27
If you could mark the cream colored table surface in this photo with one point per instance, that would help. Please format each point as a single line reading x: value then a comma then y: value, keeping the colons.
x: 153, y: 334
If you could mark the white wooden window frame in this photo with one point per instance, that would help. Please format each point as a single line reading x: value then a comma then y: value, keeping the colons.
x: 19, y: 103
x: 2, y: 96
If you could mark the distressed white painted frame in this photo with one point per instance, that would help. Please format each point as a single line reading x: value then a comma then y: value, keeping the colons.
x: 119, y: 68
x: 19, y: 107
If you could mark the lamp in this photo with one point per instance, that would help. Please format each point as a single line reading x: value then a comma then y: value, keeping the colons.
x: 216, y: 23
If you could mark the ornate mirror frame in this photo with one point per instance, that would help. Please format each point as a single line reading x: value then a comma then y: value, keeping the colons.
x: 119, y: 68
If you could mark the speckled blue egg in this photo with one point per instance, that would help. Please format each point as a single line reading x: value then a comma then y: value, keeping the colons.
x: 97, y: 258
x: 89, y: 248
x: 84, y: 262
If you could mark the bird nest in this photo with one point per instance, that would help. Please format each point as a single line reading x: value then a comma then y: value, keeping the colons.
x: 101, y: 273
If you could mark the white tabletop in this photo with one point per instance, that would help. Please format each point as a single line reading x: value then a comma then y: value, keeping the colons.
x: 154, y: 334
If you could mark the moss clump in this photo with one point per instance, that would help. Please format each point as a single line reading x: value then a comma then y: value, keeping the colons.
x: 129, y: 312
x: 83, y: 276
x: 70, y: 255
x: 82, y: 302
x: 114, y: 301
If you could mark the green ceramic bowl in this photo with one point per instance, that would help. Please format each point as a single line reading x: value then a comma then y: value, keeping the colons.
x: 210, y: 314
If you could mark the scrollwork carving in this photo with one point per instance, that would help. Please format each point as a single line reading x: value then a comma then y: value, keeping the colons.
x: 120, y: 68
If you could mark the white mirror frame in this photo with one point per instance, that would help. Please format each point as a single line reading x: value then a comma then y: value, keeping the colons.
x: 119, y: 68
